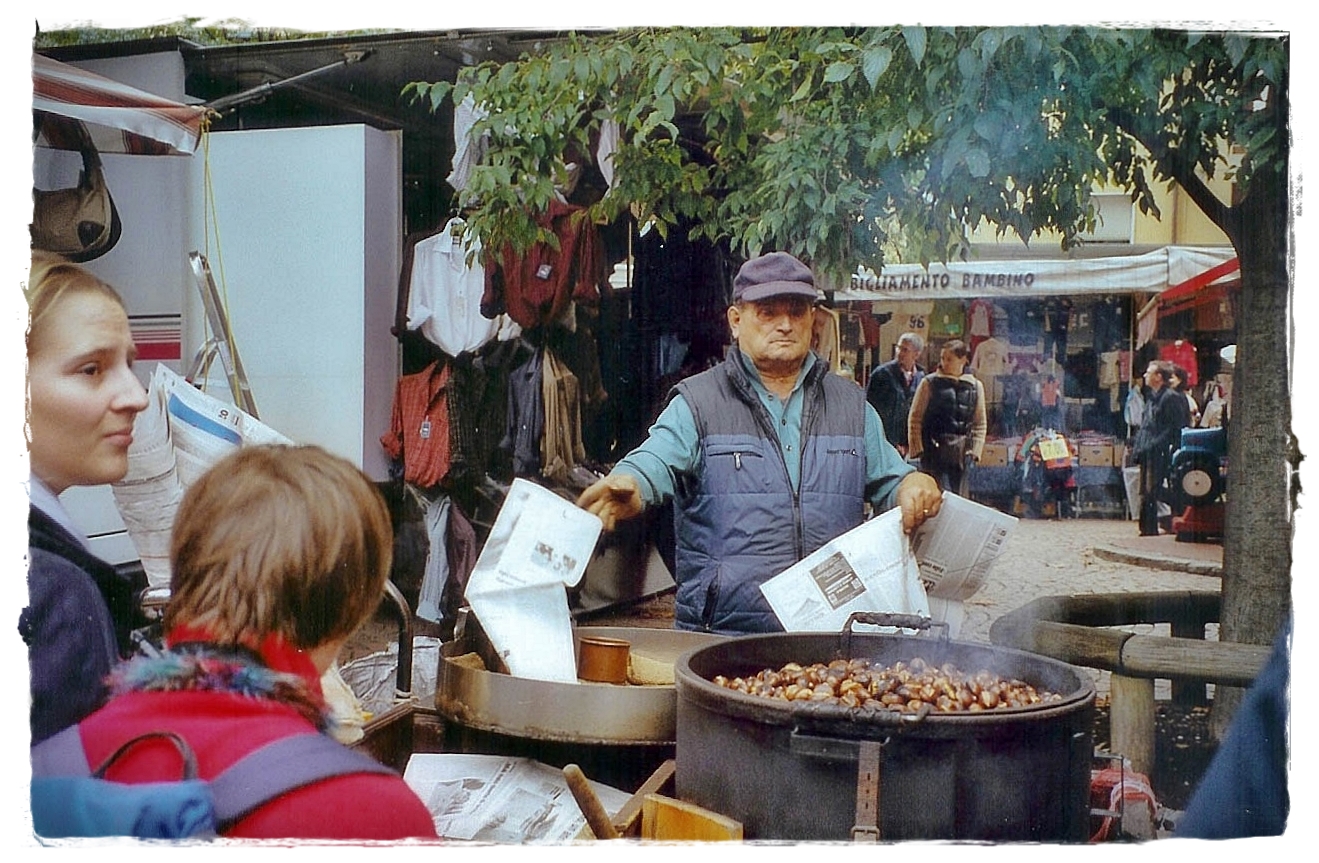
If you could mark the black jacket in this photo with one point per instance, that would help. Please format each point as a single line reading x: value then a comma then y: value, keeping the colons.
x: 891, y: 398
x: 1160, y: 432
x: 77, y: 625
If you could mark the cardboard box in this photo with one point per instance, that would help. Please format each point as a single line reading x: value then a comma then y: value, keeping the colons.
x: 1119, y: 454
x: 1095, y: 455
x: 994, y: 454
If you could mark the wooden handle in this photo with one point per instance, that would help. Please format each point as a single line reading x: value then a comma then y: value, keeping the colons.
x: 596, y: 816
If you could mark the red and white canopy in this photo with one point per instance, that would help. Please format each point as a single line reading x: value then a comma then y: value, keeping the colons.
x: 121, y: 119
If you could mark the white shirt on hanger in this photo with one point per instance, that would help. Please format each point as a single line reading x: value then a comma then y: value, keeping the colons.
x: 444, y: 296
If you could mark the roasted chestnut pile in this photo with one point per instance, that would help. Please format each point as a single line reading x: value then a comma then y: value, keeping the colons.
x: 903, y: 686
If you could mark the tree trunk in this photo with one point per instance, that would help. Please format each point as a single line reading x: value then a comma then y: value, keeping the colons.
x: 1262, y: 454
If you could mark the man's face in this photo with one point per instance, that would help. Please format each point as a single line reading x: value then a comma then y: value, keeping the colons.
x: 1153, y: 377
x: 775, y: 332
x: 907, y: 356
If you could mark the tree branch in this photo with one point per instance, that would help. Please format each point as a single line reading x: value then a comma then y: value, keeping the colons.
x: 1182, y: 172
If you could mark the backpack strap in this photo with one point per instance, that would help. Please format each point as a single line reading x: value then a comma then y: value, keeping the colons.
x: 61, y: 754
x: 282, y: 766
x: 257, y: 778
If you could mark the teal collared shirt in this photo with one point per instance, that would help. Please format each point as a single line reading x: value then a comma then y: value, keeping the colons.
x: 673, y: 445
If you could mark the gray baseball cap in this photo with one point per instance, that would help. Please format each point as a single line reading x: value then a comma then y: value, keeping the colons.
x: 773, y: 275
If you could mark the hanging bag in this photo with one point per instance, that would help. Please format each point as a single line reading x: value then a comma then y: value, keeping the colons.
x: 79, y: 223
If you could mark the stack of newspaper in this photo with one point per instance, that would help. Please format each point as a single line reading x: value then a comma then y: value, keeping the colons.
x: 182, y: 432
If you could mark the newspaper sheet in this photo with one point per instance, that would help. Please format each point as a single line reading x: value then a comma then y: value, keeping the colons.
x: 869, y: 568
x: 956, y: 548
x: 538, y: 547
x: 493, y: 798
x: 182, y: 432
x: 875, y: 567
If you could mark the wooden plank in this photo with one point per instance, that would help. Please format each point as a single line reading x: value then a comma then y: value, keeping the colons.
x: 1229, y: 663
x: 628, y: 819
x: 664, y: 819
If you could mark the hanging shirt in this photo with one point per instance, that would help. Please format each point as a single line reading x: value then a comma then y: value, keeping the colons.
x: 1182, y: 353
x: 444, y: 294
x: 535, y: 288
x: 561, y: 443
x: 419, y: 427
x: 467, y: 150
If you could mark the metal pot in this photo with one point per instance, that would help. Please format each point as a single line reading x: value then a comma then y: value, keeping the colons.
x: 618, y: 735
x: 803, y: 771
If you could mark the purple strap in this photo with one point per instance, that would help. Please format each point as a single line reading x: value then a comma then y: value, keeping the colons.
x: 260, y: 776
x: 281, y: 766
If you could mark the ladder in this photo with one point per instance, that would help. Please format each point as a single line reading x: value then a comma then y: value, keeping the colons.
x: 221, y: 343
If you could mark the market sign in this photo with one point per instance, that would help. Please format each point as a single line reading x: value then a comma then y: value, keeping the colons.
x: 1151, y: 272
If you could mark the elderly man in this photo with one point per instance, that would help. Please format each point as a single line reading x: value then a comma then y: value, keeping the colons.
x: 766, y: 456
x: 892, y: 387
x: 1160, y: 433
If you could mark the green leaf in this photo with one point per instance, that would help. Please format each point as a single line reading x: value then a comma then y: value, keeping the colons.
x: 874, y: 63
x: 838, y: 71
x: 915, y: 38
x: 802, y: 91
x: 977, y: 162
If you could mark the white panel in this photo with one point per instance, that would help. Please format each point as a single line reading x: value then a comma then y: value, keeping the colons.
x: 291, y: 217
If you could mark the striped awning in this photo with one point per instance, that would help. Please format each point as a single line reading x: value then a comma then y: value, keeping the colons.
x: 120, y: 118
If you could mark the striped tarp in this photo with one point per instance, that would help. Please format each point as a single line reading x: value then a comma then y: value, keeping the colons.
x: 121, y: 119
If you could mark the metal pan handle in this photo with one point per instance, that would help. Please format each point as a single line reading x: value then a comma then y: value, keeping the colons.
x: 883, y: 618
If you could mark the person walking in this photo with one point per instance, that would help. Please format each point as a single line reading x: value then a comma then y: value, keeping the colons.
x: 767, y: 457
x: 1165, y: 415
x: 892, y: 386
x: 947, y: 424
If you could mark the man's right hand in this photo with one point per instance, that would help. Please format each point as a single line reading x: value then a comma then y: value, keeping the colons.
x: 613, y: 498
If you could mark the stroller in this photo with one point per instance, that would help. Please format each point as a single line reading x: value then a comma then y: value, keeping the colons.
x: 1046, y: 465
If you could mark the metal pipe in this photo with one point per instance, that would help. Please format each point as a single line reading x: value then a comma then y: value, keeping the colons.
x: 225, y: 103
x: 403, y: 682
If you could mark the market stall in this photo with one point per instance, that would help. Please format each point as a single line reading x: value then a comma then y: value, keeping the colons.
x: 1057, y: 345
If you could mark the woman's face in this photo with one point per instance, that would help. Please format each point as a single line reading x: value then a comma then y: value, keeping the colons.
x: 83, y: 393
x: 950, y: 363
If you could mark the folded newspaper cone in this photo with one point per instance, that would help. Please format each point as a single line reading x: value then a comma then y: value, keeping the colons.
x: 182, y: 432
x: 538, y: 547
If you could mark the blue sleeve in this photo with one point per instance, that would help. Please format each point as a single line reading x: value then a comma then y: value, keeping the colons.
x: 670, y: 446
x: 1244, y: 790
x: 884, y: 467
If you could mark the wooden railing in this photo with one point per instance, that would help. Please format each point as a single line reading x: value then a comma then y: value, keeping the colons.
x: 1077, y: 630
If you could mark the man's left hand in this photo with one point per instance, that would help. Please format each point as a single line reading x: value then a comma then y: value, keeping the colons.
x: 919, y: 498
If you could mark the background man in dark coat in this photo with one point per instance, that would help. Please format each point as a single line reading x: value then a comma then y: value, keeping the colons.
x: 892, y: 387
x: 1160, y: 433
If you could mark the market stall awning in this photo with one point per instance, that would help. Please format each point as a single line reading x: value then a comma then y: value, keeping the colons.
x: 1209, y: 286
x: 120, y: 118
x: 1152, y: 272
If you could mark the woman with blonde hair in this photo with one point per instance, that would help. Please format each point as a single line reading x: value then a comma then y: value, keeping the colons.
x: 82, y: 400
x: 278, y: 554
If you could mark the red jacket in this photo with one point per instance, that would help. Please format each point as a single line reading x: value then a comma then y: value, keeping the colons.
x: 222, y: 727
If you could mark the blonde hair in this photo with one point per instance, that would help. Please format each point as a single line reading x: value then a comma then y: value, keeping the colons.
x: 49, y: 281
x: 286, y: 540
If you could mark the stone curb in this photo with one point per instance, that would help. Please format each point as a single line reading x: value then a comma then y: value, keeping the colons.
x: 1157, y: 561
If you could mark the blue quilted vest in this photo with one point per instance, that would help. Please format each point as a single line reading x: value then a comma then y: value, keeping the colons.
x: 737, y: 520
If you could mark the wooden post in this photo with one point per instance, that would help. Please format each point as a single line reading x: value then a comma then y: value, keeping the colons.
x: 1187, y: 624
x: 1131, y: 720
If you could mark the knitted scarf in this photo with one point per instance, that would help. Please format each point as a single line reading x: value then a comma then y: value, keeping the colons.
x: 197, y: 667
